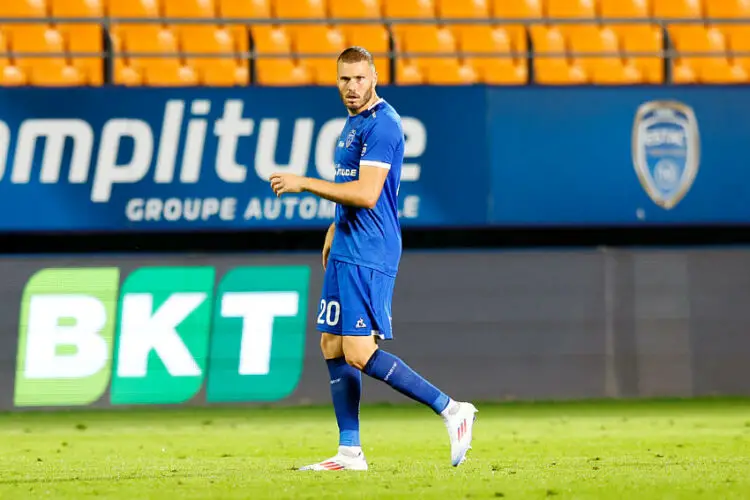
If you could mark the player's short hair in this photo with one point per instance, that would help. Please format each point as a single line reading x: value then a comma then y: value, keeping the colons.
x: 356, y: 54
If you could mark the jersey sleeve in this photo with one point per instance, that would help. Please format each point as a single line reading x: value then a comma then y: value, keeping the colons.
x: 380, y: 143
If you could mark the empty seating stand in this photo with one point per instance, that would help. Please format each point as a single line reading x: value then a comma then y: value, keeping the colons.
x: 444, y: 42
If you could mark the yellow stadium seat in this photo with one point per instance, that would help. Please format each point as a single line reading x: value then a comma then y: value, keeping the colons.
x: 408, y: 73
x: 201, y: 9
x: 464, y: 9
x: 83, y: 37
x: 737, y: 35
x: 740, y: 42
x: 408, y: 9
x: 373, y: 37
x: 515, y: 9
x: 214, y: 71
x: 276, y: 71
x: 352, y: 9
x: 53, y: 70
x: 23, y: 8
x: 493, y: 69
x: 437, y: 70
x: 553, y: 70
x: 608, y: 69
x: 320, y: 40
x: 132, y: 8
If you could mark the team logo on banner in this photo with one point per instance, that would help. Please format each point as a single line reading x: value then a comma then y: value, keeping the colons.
x: 666, y: 150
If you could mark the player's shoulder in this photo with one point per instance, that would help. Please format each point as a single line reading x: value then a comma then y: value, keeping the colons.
x: 384, y: 118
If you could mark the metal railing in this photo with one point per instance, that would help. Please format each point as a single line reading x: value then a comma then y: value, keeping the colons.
x: 667, y: 53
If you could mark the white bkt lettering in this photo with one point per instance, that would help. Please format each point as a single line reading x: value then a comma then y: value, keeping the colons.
x: 143, y: 330
x: 106, y: 168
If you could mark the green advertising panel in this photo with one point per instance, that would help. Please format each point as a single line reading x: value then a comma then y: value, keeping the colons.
x: 161, y: 336
x: 257, y: 345
x: 65, y: 334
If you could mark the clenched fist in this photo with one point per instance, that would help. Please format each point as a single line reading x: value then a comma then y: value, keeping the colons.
x: 286, y: 183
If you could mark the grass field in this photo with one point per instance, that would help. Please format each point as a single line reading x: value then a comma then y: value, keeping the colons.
x: 602, y: 450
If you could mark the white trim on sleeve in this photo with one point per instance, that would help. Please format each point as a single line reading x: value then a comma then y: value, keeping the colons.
x: 373, y: 163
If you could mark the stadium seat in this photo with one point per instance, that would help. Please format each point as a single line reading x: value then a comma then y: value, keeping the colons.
x: 124, y: 74
x: 572, y: 8
x: 467, y: 9
x: 352, y: 9
x: 608, y: 69
x: 739, y: 41
x: 375, y: 38
x: 214, y: 71
x: 407, y: 73
x: 10, y: 75
x: 276, y: 71
x: 437, y: 70
x: 83, y: 37
x: 320, y: 40
x: 158, y: 71
x: 515, y: 9
x: 711, y: 69
x: 737, y: 35
x: 408, y: 9
x: 300, y: 9
x: 634, y: 37
x: 493, y: 69
x: 554, y: 70
x: 248, y: 9
x: 53, y: 70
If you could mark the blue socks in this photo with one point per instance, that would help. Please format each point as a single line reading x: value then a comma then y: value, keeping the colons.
x: 346, y: 390
x: 394, y: 372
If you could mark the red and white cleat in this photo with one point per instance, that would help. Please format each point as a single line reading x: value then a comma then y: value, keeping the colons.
x: 459, y: 420
x: 348, y: 458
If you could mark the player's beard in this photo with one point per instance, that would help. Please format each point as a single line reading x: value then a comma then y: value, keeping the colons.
x: 359, y: 103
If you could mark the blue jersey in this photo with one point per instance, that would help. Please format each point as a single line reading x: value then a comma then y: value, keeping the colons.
x: 370, y: 237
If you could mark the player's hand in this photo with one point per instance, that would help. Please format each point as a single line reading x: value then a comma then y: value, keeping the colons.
x: 327, y: 245
x: 287, y: 183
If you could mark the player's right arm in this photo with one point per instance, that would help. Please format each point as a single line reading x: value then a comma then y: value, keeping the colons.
x: 327, y: 244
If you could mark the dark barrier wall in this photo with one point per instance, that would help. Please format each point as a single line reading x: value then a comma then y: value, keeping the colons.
x: 113, y: 159
x: 485, y: 326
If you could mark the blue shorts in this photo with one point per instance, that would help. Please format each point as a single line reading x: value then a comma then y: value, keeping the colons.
x: 356, y: 300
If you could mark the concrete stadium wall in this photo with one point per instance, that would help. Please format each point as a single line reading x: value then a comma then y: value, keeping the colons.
x: 511, y: 325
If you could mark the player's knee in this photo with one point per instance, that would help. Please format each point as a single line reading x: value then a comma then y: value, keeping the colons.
x: 358, y: 355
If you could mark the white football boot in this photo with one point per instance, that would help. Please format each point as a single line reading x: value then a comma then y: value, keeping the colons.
x: 459, y: 420
x: 348, y: 458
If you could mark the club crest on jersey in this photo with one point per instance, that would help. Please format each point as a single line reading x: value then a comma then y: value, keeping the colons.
x: 350, y: 137
x: 666, y: 150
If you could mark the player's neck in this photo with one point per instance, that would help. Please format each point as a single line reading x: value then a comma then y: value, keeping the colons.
x: 374, y: 99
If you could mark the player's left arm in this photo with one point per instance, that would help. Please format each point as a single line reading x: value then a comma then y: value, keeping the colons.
x: 381, y: 143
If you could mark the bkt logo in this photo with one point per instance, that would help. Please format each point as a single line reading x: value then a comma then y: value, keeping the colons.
x: 164, y: 334
x: 190, y: 149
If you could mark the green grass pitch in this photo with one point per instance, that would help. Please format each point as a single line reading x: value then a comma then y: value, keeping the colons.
x: 589, y: 450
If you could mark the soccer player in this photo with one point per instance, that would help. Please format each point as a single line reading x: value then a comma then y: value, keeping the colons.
x: 361, y: 256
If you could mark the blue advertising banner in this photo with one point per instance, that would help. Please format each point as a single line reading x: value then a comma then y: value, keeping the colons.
x: 174, y: 159
x: 620, y: 156
x: 119, y: 159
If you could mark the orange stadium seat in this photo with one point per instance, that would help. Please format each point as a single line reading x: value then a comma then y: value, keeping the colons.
x: 408, y: 9
x: 555, y: 69
x: 9, y: 73
x: 636, y: 37
x: 609, y: 69
x: 53, y: 70
x: 248, y: 9
x: 353, y: 9
x: 276, y: 71
x: 214, y: 71
x: 124, y: 74
x: 167, y: 70
x: 123, y: 32
x: 320, y: 40
x: 493, y: 69
x: 446, y: 70
x: 572, y: 8
x: 408, y: 73
x: 463, y: 9
x: 83, y: 37
x: 737, y: 35
x: 300, y: 9
x: 515, y: 9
